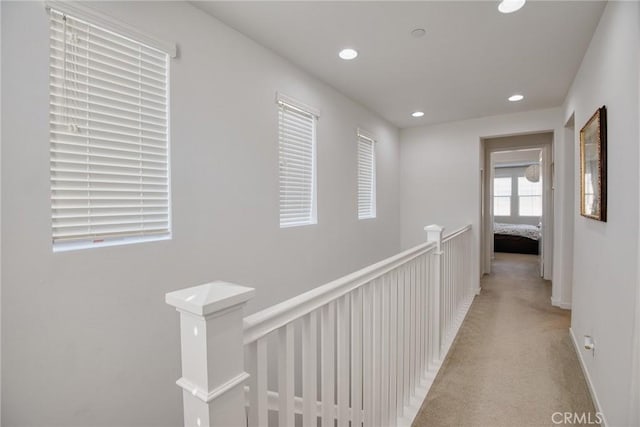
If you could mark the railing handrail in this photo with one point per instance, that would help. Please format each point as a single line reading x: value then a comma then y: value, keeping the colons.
x: 263, y: 322
x: 271, y: 318
x: 456, y: 233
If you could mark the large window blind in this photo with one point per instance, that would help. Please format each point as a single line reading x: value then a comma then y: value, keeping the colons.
x: 108, y: 135
x: 297, y: 147
x: 529, y: 197
x: 502, y: 196
x: 366, y: 177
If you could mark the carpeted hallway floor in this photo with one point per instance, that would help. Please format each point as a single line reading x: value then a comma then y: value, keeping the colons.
x: 513, y: 363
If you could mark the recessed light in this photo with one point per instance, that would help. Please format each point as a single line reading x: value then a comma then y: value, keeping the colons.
x: 417, y: 114
x: 348, y: 54
x: 509, y: 6
x: 418, y: 32
x: 516, y: 97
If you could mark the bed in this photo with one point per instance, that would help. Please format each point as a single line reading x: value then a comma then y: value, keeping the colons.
x: 516, y: 238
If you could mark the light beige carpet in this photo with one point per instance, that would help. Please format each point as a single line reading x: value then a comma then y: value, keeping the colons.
x: 512, y: 363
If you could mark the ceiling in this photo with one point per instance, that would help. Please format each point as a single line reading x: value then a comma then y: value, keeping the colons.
x: 470, y: 61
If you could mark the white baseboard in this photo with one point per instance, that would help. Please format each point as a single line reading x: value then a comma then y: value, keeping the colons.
x: 592, y: 389
x: 560, y: 304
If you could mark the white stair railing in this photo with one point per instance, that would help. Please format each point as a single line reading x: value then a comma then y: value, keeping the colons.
x: 457, y: 284
x: 363, y: 349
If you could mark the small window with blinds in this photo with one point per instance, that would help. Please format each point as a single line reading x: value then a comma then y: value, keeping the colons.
x: 297, y: 157
x: 109, y: 139
x: 366, y: 176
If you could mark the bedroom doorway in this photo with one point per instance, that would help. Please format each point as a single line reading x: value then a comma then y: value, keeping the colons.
x: 518, y: 199
x: 517, y: 202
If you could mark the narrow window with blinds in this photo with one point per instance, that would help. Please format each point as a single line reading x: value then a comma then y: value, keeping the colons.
x: 109, y: 140
x: 366, y: 177
x: 297, y: 156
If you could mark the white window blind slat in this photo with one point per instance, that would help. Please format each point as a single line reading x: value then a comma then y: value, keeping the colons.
x: 149, y: 63
x: 119, y: 128
x: 297, y: 165
x: 109, y: 54
x: 366, y: 177
x: 123, y: 121
x: 107, y: 88
x: 106, y: 108
x: 109, y: 136
x: 146, y: 150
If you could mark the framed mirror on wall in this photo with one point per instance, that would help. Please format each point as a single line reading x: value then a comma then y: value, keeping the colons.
x: 593, y: 167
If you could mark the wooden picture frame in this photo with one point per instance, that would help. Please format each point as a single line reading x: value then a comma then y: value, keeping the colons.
x: 593, y: 167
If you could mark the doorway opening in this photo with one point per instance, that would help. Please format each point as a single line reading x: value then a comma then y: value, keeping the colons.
x: 518, y: 199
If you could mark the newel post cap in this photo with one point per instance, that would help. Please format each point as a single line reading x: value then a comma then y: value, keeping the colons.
x: 209, y: 298
x: 434, y: 228
x: 434, y: 234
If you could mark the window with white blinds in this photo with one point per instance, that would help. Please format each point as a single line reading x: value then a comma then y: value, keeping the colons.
x: 297, y: 152
x: 366, y: 177
x: 108, y: 136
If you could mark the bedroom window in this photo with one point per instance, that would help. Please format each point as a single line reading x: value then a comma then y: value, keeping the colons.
x: 502, y: 196
x: 529, y: 197
x: 366, y: 176
x: 297, y: 157
x: 109, y: 138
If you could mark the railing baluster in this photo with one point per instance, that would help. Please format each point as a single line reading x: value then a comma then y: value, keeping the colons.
x: 343, y: 360
x: 436, y: 292
x: 258, y: 411
x: 456, y: 260
x: 407, y: 335
x: 400, y: 344
x: 309, y: 369
x: 419, y: 326
x: 449, y: 287
x: 356, y: 358
x: 367, y: 353
x: 425, y: 320
x: 393, y: 345
x: 384, y: 396
x: 427, y: 325
x: 412, y: 326
x: 285, y: 375
x: 377, y: 350
x: 416, y: 326
x: 452, y: 265
x: 327, y: 326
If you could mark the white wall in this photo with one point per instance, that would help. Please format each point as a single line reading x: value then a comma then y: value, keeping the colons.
x: 440, y: 170
x: 606, y: 254
x: 87, y: 338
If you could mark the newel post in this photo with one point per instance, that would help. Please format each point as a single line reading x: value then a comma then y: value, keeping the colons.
x: 211, y: 335
x: 434, y: 234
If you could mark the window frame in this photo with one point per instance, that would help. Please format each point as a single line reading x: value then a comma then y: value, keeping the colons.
x: 129, y: 234
x: 284, y: 103
x: 364, y: 137
x: 503, y: 196
x: 529, y: 196
x: 514, y: 173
